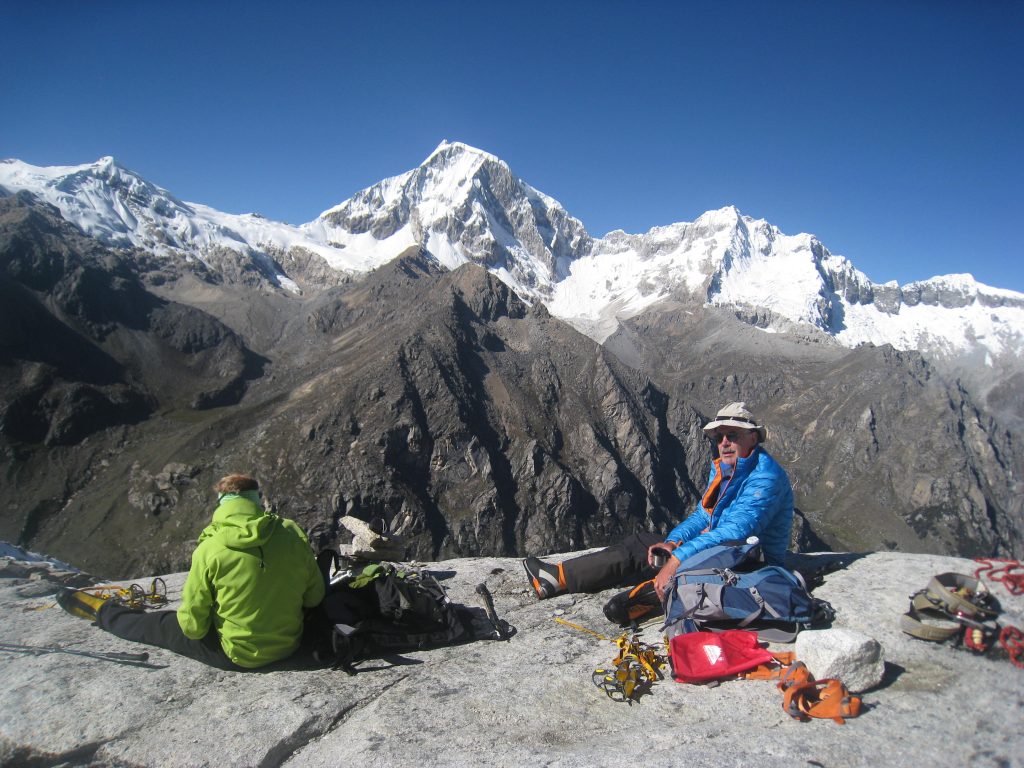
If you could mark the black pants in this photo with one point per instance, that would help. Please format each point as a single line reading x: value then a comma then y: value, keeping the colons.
x: 619, y: 565
x: 161, y: 629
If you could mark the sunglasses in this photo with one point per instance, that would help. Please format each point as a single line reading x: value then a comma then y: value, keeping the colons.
x: 732, y: 437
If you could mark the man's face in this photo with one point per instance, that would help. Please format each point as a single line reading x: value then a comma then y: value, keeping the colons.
x: 734, y: 443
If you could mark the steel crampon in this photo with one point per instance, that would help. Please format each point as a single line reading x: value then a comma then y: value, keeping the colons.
x: 636, y: 667
x: 134, y: 595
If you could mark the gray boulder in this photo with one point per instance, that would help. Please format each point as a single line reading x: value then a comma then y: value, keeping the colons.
x: 854, y: 658
x: 528, y: 701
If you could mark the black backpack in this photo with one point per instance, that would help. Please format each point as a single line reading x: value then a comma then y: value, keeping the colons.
x: 379, y: 610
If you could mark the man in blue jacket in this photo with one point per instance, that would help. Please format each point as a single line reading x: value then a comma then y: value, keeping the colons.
x: 748, y: 494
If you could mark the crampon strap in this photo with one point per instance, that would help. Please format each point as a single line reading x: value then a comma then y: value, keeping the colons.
x: 636, y: 667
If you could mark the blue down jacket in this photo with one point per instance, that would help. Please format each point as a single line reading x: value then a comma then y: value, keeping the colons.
x: 756, y: 501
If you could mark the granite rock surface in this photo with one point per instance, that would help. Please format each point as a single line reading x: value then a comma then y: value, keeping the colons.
x: 528, y: 701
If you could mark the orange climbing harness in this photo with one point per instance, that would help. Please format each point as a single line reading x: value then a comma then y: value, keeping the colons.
x: 803, y: 697
x: 771, y: 670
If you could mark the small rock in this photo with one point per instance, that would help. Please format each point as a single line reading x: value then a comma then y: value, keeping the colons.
x: 38, y: 588
x: 854, y: 658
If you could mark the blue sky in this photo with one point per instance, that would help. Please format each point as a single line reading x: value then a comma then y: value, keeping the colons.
x: 892, y: 130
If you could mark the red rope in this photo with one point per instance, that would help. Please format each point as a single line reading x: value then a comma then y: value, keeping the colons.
x: 1009, y: 572
x: 1012, y: 639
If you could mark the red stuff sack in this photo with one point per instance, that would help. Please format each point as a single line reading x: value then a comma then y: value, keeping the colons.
x: 698, y: 657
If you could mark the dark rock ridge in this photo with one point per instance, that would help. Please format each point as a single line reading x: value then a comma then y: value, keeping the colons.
x: 86, y: 349
x: 855, y: 289
x: 883, y: 453
x: 474, y: 423
x: 81, y: 313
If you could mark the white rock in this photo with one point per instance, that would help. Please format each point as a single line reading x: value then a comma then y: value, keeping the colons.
x: 854, y: 658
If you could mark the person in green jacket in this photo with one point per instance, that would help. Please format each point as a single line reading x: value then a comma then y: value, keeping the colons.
x: 242, y: 605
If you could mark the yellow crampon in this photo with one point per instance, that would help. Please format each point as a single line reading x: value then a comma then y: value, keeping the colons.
x: 636, y: 667
x: 134, y: 595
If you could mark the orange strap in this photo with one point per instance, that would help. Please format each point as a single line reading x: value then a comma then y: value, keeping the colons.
x: 796, y: 673
x: 773, y: 669
x: 639, y: 587
x: 637, y: 611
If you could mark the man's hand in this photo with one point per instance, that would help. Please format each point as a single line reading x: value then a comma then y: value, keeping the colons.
x: 662, y: 549
x: 665, y: 575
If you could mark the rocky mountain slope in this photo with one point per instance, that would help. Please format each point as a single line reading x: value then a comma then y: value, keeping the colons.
x: 474, y: 424
x: 883, y: 451
x: 471, y: 417
x: 529, y: 701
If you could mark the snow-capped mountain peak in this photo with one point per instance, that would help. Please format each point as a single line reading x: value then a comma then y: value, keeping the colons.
x: 465, y: 205
x: 727, y: 259
x: 121, y: 209
x: 441, y: 183
x: 106, y: 200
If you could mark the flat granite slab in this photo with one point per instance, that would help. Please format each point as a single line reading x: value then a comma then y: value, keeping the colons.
x: 526, y: 702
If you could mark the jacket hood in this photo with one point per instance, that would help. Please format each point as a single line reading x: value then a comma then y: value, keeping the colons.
x: 239, y: 521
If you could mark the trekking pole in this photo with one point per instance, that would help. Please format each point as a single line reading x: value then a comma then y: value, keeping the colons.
x: 492, y: 615
x: 129, y: 659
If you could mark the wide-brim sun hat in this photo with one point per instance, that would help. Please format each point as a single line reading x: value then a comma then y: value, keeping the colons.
x: 736, y: 415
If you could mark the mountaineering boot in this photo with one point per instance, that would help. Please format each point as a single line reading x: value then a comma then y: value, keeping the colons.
x: 78, y: 603
x: 546, y: 580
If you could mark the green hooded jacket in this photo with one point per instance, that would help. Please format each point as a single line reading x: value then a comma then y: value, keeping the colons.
x: 252, y: 574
